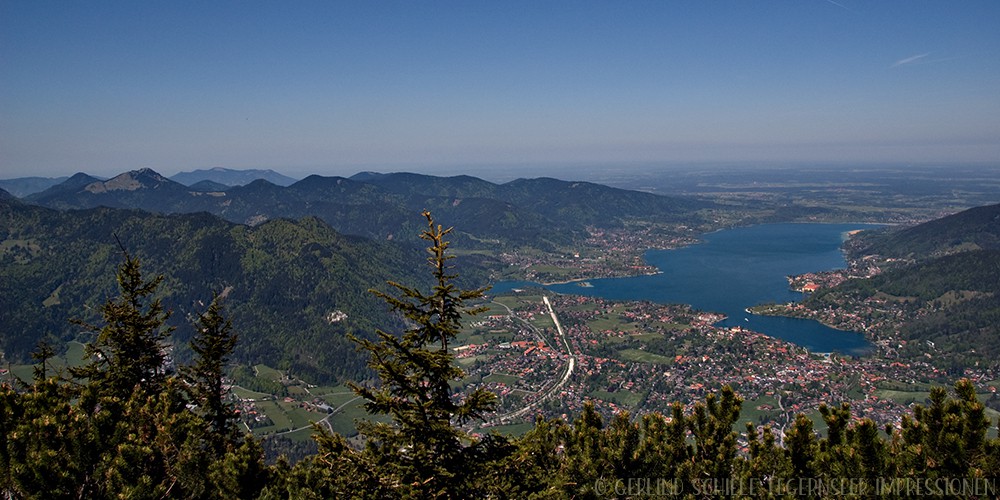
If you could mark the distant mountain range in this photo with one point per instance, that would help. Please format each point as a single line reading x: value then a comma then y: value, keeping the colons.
x: 212, y: 179
x: 230, y: 177
x: 23, y: 186
x: 545, y: 213
x: 143, y: 189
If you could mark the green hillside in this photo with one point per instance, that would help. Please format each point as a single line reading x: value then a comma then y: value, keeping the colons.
x: 945, y: 301
x: 976, y: 228
x: 294, y: 288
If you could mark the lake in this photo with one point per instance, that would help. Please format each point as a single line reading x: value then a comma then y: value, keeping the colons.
x: 735, y: 269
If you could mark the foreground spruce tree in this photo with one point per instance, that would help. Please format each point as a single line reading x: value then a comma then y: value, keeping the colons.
x: 130, y: 349
x: 422, y: 451
x: 214, y: 340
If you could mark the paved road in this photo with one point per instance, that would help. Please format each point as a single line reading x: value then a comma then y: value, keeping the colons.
x: 546, y: 394
x: 531, y: 328
x: 322, y: 420
x: 562, y: 337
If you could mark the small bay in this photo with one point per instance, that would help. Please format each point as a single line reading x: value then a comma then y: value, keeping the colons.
x: 735, y: 269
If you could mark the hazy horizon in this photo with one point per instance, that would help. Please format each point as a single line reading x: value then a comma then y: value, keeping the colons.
x: 335, y: 88
x: 610, y: 173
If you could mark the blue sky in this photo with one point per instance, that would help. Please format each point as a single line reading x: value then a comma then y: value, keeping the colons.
x: 338, y: 87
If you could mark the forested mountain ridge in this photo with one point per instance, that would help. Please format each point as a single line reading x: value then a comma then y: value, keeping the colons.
x: 71, y: 185
x: 975, y: 228
x: 207, y: 186
x: 143, y: 189
x: 576, y: 201
x: 284, y: 280
x: 952, y: 302
x: 463, y: 186
x: 944, y: 295
x: 543, y: 213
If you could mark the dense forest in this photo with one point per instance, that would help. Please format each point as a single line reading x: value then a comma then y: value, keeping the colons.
x: 943, y: 276
x: 128, y: 424
x: 973, y: 229
x: 282, y: 280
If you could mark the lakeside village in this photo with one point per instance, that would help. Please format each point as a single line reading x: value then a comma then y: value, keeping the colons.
x: 606, y: 253
x: 642, y: 357
x: 660, y: 354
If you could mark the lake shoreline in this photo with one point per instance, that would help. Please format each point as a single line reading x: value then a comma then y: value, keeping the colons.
x: 732, y: 270
x: 750, y: 310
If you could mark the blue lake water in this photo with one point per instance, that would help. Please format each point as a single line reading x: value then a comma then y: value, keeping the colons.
x: 736, y: 269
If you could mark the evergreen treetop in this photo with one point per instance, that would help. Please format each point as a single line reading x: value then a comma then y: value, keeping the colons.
x: 129, y: 352
x: 424, y: 443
